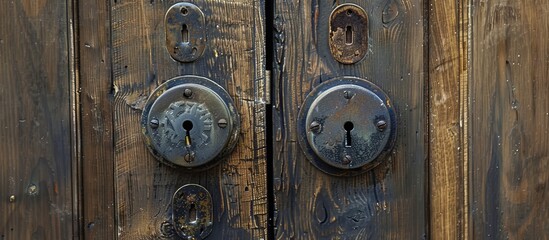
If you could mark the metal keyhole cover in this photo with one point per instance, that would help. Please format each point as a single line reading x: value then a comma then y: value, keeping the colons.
x: 346, y: 126
x: 187, y: 19
x: 192, y: 212
x: 190, y: 122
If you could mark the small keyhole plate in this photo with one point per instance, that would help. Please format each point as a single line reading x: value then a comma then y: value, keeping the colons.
x: 346, y: 126
x: 348, y: 33
x: 192, y: 212
x: 185, y: 32
x: 190, y: 122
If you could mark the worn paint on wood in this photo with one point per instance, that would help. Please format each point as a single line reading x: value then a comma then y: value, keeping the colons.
x: 233, y: 58
x: 509, y: 120
x: 389, y: 201
x: 35, y: 121
x: 448, y: 72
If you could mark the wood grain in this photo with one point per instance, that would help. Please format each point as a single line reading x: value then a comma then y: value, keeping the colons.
x: 234, y: 59
x: 35, y: 121
x: 388, y: 202
x: 95, y: 90
x: 448, y: 79
x: 509, y: 121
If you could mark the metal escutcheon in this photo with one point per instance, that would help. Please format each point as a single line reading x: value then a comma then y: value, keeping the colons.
x: 185, y: 27
x: 192, y: 212
x: 190, y: 122
x: 346, y: 126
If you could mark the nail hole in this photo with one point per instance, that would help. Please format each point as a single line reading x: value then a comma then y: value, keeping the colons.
x: 184, y: 11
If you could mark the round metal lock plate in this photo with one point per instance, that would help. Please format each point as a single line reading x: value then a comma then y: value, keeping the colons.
x: 190, y: 121
x: 346, y: 125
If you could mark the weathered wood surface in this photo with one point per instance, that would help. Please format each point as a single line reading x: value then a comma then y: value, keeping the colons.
x: 509, y: 120
x: 388, y: 202
x: 448, y: 72
x: 234, y: 59
x: 95, y: 90
x: 35, y: 121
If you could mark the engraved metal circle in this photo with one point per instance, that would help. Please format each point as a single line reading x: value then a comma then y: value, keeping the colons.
x: 182, y: 120
x: 346, y: 126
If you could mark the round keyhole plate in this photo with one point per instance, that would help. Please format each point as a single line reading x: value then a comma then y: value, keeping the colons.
x: 346, y: 126
x: 190, y: 122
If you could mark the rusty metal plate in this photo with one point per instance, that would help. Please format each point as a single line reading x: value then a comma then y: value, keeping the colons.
x: 346, y: 126
x: 348, y: 29
x: 190, y: 122
x: 185, y: 27
x: 192, y: 212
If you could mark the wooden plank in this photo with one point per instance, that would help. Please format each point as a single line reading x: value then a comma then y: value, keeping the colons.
x: 35, y: 121
x: 509, y: 121
x: 96, y: 131
x: 388, y: 202
x: 448, y: 55
x: 233, y: 58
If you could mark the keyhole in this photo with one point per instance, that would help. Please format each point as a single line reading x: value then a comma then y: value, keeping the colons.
x: 188, y: 125
x: 348, y: 126
x: 185, y: 33
x: 349, y: 35
x: 192, y: 214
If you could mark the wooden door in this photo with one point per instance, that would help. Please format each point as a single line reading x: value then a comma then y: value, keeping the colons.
x: 468, y: 81
x: 130, y: 42
x: 389, y: 201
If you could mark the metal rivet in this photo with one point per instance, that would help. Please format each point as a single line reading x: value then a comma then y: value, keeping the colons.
x: 32, y: 190
x: 189, y: 157
x: 381, y: 125
x: 348, y: 94
x: 315, y: 127
x: 188, y: 93
x: 222, y: 123
x: 154, y: 123
x: 12, y: 198
x: 347, y: 160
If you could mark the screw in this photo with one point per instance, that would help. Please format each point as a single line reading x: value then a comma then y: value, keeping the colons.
x: 188, y: 93
x: 346, y: 160
x: 189, y: 157
x: 315, y: 127
x: 348, y: 94
x: 381, y: 125
x: 154, y: 123
x: 12, y: 198
x: 222, y: 123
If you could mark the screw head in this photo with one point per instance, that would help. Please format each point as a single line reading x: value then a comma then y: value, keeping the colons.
x: 381, y: 125
x: 348, y: 94
x: 188, y: 93
x: 12, y: 198
x: 222, y: 123
x: 189, y: 157
x: 154, y: 123
x: 347, y: 160
x: 315, y: 127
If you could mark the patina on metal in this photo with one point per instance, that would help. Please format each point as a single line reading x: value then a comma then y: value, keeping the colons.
x: 346, y: 126
x: 348, y: 29
x: 193, y: 130
x: 185, y: 27
x: 192, y: 212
